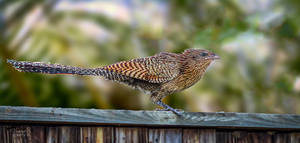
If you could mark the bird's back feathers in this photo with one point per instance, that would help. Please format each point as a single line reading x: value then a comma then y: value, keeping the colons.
x: 160, y: 68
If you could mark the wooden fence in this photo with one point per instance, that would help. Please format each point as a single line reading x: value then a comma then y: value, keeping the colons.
x: 56, y: 125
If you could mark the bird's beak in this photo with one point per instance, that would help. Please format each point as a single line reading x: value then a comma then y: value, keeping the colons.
x: 214, y: 57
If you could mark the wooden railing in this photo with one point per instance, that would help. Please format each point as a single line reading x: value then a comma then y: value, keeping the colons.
x: 54, y: 125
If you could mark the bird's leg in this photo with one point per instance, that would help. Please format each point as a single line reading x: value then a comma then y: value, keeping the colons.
x: 157, y: 100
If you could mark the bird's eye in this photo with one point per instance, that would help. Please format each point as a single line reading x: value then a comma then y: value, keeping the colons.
x: 203, y: 54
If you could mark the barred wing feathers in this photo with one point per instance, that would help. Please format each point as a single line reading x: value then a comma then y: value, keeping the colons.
x: 159, y: 68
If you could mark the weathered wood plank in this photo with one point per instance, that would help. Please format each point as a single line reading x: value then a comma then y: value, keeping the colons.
x: 207, y: 135
x: 62, y: 134
x: 295, y: 137
x: 148, y: 118
x: 199, y: 135
x: 17, y: 134
x: 131, y: 135
x: 255, y: 137
x: 38, y: 134
x: 108, y: 135
x: 282, y: 138
x: 243, y: 137
x: 2, y: 133
x: 161, y: 135
x: 88, y: 134
x: 105, y: 135
x: 191, y: 136
x: 224, y: 137
x: 52, y: 134
x: 68, y: 134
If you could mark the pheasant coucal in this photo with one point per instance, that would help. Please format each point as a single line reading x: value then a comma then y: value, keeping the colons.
x: 160, y: 75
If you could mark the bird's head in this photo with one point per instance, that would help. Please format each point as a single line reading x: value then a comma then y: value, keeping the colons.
x: 200, y: 55
x: 198, y: 59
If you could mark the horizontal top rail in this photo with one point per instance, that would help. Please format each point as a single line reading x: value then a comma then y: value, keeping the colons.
x: 95, y: 117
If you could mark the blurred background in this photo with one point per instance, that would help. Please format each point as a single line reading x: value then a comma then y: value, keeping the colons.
x: 258, y: 42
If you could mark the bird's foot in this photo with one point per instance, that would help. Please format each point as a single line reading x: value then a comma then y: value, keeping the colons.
x: 176, y: 111
x: 168, y: 108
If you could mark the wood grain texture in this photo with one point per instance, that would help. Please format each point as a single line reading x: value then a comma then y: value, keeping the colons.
x: 282, y: 138
x: 108, y: 135
x: 243, y: 137
x: 68, y: 134
x: 160, y: 135
x: 75, y: 134
x: 88, y: 134
x: 207, y: 136
x: 105, y: 135
x: 37, y: 134
x: 199, y: 136
x: 295, y: 137
x: 16, y: 134
x: 131, y: 135
x: 191, y: 136
x: 52, y: 134
x: 2, y: 131
x: 147, y: 118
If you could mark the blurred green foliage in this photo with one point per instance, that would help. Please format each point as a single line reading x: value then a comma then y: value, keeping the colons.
x: 258, y: 42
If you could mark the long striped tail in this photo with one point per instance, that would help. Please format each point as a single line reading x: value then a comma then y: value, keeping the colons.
x: 39, y: 67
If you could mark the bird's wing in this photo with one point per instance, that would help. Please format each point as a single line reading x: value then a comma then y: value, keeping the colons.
x: 159, y: 68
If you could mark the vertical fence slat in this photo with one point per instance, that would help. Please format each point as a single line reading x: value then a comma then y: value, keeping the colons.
x: 207, y: 136
x: 281, y: 138
x: 223, y: 137
x: 68, y: 134
x: 165, y: 135
x: 131, y: 135
x: 191, y: 136
x: 1, y: 133
x: 52, y: 135
x: 295, y: 137
x: 105, y: 135
x: 17, y: 134
x: 88, y: 134
x: 244, y: 137
x: 38, y: 134
x: 199, y: 136
x: 143, y: 135
x: 259, y: 137
x: 108, y: 135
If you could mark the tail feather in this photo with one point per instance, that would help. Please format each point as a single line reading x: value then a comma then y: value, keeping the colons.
x: 39, y: 67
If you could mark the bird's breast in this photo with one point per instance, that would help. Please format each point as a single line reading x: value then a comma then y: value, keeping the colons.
x: 186, y: 79
x: 182, y: 81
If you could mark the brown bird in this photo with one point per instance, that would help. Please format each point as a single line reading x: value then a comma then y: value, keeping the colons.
x: 160, y: 75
